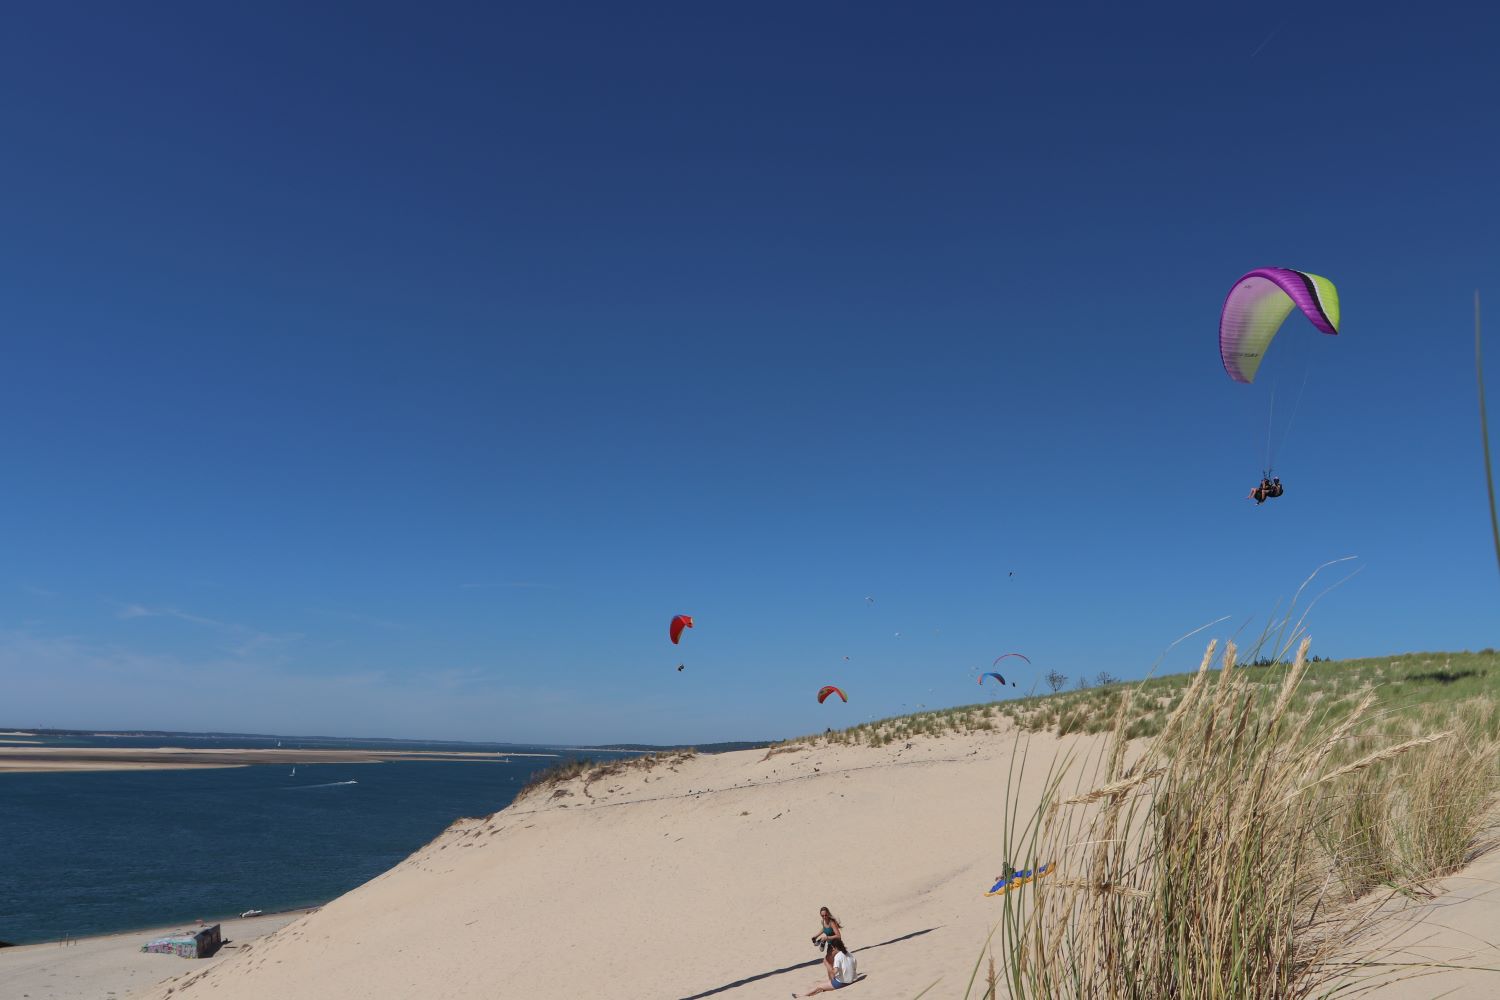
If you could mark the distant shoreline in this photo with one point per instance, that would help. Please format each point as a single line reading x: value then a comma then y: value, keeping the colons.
x: 159, y: 929
x: 18, y: 760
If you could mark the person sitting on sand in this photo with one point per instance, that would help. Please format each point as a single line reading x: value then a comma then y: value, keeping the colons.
x: 842, y: 973
x: 832, y: 932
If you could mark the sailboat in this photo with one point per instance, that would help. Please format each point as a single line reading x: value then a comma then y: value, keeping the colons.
x: 294, y: 770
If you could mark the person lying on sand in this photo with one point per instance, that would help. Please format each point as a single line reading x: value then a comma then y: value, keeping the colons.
x: 843, y: 971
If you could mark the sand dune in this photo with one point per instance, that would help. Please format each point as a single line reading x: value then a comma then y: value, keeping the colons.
x: 700, y: 879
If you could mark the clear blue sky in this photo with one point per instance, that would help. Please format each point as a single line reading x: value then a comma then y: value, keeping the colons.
x: 400, y: 370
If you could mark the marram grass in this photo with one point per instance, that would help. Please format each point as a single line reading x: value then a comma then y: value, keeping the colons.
x: 1237, y: 852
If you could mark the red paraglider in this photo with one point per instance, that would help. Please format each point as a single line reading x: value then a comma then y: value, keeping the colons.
x: 830, y: 689
x: 679, y: 623
x: 1004, y: 655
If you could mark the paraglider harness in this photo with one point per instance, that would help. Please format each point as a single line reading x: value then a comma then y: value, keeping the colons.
x: 1270, y: 486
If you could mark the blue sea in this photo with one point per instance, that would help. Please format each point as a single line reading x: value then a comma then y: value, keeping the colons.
x: 99, y: 852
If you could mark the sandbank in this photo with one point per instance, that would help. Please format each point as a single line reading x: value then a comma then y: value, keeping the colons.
x: 34, y: 759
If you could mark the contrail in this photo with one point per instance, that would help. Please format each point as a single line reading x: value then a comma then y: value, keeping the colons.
x: 1267, y: 39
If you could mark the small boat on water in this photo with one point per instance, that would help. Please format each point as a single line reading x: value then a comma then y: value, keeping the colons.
x: 294, y: 770
x: 250, y: 913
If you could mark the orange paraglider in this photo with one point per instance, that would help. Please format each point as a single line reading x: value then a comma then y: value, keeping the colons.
x: 679, y: 623
x: 830, y: 689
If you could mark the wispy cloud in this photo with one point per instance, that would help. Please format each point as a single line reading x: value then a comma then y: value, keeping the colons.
x: 129, y: 611
x: 68, y: 680
x: 241, y: 640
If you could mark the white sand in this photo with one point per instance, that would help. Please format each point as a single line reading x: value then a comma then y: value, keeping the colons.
x: 100, y: 967
x: 1458, y: 927
x: 700, y: 881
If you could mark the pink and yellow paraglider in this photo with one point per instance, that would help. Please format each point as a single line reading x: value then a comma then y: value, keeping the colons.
x: 1256, y: 306
x: 828, y: 690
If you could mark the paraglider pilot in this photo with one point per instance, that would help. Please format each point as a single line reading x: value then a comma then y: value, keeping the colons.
x: 1269, y: 487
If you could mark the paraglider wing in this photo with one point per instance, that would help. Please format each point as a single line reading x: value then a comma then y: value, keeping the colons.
x: 830, y: 689
x: 1004, y: 655
x: 994, y: 675
x: 679, y: 623
x: 1005, y: 883
x: 1256, y: 306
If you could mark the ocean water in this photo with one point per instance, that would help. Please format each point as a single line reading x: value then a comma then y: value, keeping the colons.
x: 99, y: 852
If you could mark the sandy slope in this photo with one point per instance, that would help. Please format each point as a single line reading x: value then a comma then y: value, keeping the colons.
x: 695, y: 881
x: 1459, y: 927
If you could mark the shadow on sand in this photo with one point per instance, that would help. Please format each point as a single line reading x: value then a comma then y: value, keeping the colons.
x: 802, y: 965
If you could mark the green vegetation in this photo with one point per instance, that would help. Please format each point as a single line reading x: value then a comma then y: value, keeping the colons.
x: 1237, y: 851
x: 1413, y: 691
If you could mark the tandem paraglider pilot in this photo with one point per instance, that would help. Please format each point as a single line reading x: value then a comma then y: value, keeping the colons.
x: 1268, y: 488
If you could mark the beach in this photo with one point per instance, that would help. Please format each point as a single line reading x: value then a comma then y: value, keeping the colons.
x: 113, y: 964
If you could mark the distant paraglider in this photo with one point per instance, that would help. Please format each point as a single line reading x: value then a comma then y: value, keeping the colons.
x: 996, y: 676
x: 830, y: 689
x: 1004, y: 655
x: 679, y: 622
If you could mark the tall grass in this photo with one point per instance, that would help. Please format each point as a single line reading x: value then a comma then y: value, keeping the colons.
x: 1233, y: 854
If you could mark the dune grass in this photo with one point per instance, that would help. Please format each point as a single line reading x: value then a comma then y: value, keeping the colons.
x: 565, y: 771
x: 1238, y: 850
x: 1412, y: 691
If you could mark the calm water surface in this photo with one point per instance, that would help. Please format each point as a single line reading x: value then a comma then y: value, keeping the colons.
x: 93, y: 853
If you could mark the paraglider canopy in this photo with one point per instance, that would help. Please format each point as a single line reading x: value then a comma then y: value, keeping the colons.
x: 679, y: 623
x: 994, y: 675
x: 1256, y: 306
x: 828, y: 690
x: 1004, y: 655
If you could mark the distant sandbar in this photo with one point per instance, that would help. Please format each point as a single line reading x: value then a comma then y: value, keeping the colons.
x: 34, y: 759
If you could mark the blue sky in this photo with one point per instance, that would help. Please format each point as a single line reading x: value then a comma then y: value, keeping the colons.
x: 392, y: 371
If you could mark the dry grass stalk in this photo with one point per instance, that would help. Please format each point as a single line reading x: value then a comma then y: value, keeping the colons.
x: 1101, y: 889
x: 1293, y: 678
x: 1342, y: 732
x: 1389, y: 753
x: 1114, y: 788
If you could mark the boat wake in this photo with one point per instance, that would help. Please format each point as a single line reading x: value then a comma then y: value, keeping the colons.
x: 329, y: 784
